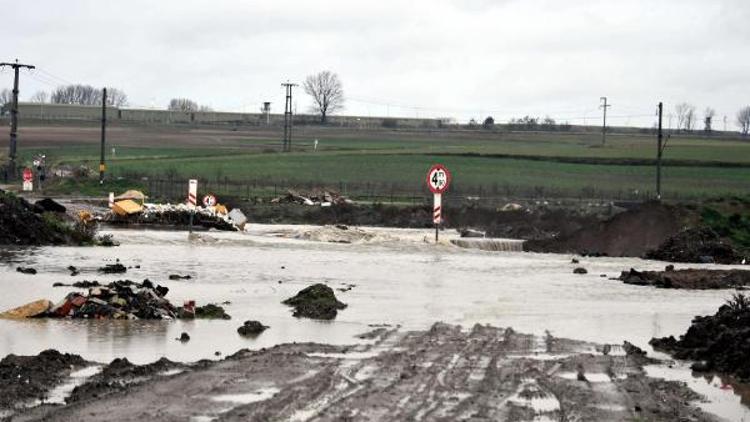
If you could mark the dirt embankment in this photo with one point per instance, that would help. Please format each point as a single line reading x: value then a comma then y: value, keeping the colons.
x: 444, y: 373
x: 694, y: 279
x: 719, y: 342
x: 24, y: 379
x: 700, y: 244
x: 21, y: 225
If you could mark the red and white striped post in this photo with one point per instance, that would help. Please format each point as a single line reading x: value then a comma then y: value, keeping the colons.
x: 192, y: 200
x: 438, y: 179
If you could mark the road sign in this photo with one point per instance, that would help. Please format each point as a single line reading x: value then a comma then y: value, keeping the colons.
x: 28, y: 175
x: 209, y: 200
x: 192, y: 192
x: 438, y: 179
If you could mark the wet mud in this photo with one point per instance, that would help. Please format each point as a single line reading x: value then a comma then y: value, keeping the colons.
x: 693, y: 279
x: 696, y: 245
x: 317, y: 302
x: 444, y: 373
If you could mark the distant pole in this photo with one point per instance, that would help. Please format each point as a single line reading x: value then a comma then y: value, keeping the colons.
x: 288, y: 117
x: 659, y: 150
x: 604, y: 107
x: 102, y: 165
x: 14, y: 117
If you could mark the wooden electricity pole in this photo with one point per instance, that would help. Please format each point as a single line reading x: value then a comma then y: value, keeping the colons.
x: 604, y: 107
x: 14, y: 117
x: 102, y: 165
x: 659, y: 150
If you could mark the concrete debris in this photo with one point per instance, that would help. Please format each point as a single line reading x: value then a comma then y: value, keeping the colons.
x: 314, y: 197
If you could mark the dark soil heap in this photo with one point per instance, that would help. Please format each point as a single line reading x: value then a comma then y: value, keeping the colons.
x: 719, y: 343
x: 317, y: 301
x: 25, y: 378
x: 696, y: 245
x: 695, y: 279
x: 19, y: 225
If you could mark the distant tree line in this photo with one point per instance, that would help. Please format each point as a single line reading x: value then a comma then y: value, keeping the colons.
x: 537, y: 123
x: 186, y: 104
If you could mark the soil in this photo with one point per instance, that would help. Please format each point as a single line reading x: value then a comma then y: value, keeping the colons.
x: 19, y: 225
x: 720, y: 342
x: 630, y: 233
x: 700, y: 244
x: 211, y: 311
x: 317, y: 302
x: 24, y: 379
x: 694, y: 279
x: 251, y: 328
x: 444, y: 373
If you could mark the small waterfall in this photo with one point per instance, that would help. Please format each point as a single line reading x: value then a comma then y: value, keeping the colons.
x: 495, y: 245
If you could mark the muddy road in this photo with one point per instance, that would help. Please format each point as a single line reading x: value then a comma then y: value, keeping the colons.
x: 443, y: 373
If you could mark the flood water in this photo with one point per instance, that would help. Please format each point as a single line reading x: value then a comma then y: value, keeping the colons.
x: 400, y: 280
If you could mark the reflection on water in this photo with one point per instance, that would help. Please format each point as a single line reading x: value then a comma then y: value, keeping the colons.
x: 399, y: 278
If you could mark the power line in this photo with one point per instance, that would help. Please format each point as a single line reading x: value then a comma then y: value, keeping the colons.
x: 288, y: 117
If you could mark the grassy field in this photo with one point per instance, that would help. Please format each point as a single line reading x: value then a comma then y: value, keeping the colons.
x: 504, y: 163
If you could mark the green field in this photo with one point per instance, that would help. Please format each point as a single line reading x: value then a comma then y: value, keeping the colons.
x: 500, y: 164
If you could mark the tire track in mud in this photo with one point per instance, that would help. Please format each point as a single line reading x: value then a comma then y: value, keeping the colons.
x: 442, y: 374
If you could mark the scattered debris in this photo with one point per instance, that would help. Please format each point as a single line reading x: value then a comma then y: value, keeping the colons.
x: 179, y: 277
x: 315, y: 197
x: 251, y: 328
x: 26, y: 270
x: 116, y: 268
x: 471, y: 233
x: 580, y: 270
x: 696, y: 245
x: 184, y: 337
x: 73, y: 270
x: 30, y: 310
x: 85, y: 284
x: 718, y: 342
x: 695, y: 279
x: 574, y: 261
x: 317, y: 302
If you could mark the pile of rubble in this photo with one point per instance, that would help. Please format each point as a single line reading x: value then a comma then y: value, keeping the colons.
x: 123, y: 299
x: 322, y: 197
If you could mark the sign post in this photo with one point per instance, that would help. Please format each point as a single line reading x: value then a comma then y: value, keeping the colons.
x: 192, y: 198
x: 438, y: 180
x: 28, y: 177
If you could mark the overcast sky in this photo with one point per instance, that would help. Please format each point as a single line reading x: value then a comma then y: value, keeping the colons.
x: 425, y: 58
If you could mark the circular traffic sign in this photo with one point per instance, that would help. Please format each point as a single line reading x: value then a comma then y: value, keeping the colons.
x: 209, y: 200
x: 438, y: 178
x: 28, y: 176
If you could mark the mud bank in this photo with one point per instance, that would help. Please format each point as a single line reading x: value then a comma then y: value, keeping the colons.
x: 21, y: 223
x: 695, y: 279
x: 443, y: 373
x: 716, y: 342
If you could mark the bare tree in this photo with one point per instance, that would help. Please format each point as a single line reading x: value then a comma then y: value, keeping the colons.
x: 39, y: 97
x: 87, y: 95
x: 6, y: 97
x: 743, y: 120
x: 182, y: 104
x: 708, y: 118
x: 327, y: 93
x: 685, y: 116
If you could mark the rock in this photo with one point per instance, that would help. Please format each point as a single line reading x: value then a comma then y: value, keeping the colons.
x: 211, y: 311
x: 317, y: 302
x: 574, y: 261
x: 251, y: 328
x: 26, y: 270
x: 580, y: 270
x: 73, y: 270
x: 184, y: 337
x: 669, y: 267
x: 179, y: 277
x: 116, y: 268
x: 30, y: 310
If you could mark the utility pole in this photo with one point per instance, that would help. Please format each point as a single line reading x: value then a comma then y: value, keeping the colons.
x: 604, y: 107
x: 287, y: 147
x: 14, y: 117
x: 102, y: 166
x: 659, y: 151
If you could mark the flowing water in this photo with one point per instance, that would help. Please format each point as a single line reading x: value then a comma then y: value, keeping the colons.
x: 400, y: 278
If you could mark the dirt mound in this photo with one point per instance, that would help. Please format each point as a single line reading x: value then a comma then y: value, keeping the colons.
x: 19, y: 225
x: 696, y: 245
x: 251, y: 328
x: 317, y: 302
x: 718, y: 343
x: 695, y: 279
x: 26, y: 378
x: 630, y: 233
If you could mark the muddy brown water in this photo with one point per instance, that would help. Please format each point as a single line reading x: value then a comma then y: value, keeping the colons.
x: 400, y: 279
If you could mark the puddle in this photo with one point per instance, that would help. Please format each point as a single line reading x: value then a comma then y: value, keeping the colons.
x: 63, y: 391
x: 246, y: 398
x: 724, y: 398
